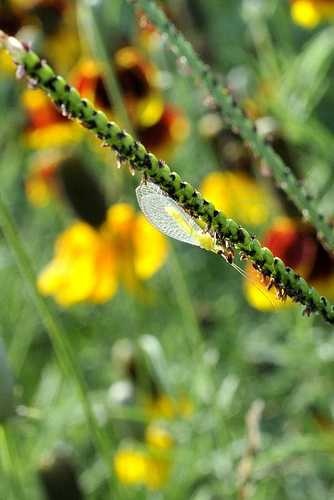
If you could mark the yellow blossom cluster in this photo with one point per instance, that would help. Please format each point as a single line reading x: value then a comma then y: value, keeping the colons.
x: 309, y: 13
x: 90, y: 263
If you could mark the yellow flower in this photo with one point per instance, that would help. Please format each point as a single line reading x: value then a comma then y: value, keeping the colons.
x: 237, y: 195
x: 41, y: 183
x: 158, y: 437
x: 139, y: 467
x: 163, y: 406
x: 6, y: 63
x: 259, y: 296
x: 309, y: 13
x: 89, y: 263
x: 157, y: 472
x: 130, y: 466
x: 83, y: 268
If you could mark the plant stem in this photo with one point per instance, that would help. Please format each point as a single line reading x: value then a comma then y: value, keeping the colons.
x: 60, y: 343
x: 9, y: 463
x: 229, y: 235
x: 191, y: 327
x: 88, y: 21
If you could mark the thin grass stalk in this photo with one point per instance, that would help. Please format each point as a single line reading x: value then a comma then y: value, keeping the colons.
x: 192, y: 329
x: 60, y: 343
x: 236, y: 117
x: 9, y: 463
x: 227, y: 232
x: 87, y: 16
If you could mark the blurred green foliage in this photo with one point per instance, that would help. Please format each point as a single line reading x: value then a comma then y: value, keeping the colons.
x: 210, y: 345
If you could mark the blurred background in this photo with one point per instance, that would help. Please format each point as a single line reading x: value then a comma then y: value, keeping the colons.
x: 201, y: 384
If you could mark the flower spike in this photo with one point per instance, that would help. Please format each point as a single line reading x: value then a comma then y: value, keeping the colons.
x: 226, y: 230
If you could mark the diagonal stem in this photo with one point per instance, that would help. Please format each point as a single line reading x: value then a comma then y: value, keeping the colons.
x: 87, y: 16
x: 58, y: 337
x: 228, y: 233
x: 9, y: 463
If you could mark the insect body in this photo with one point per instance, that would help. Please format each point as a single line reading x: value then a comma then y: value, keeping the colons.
x: 167, y: 216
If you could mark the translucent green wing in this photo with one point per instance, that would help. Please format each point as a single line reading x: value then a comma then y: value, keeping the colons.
x: 153, y: 203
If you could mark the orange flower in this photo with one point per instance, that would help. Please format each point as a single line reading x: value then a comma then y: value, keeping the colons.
x: 162, y: 137
x: 158, y: 125
x: 297, y: 245
x: 137, y: 80
x: 41, y: 183
x: 309, y: 13
x: 90, y: 263
x: 46, y: 127
x: 87, y: 77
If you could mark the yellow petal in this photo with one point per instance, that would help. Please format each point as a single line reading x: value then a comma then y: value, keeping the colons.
x: 237, y: 195
x: 106, y: 281
x: 120, y: 221
x: 141, y: 249
x: 82, y: 269
x: 70, y: 276
x: 6, y: 63
x: 135, y: 467
x: 157, y: 472
x: 55, y: 135
x: 163, y: 406
x: 158, y: 437
x: 130, y: 466
x: 305, y: 13
x: 149, y: 110
x: 259, y: 296
x: 37, y: 191
x: 150, y: 248
x: 325, y: 285
x: 327, y: 9
x: 185, y: 407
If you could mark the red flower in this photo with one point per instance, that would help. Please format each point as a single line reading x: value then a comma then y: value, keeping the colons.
x: 297, y: 245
